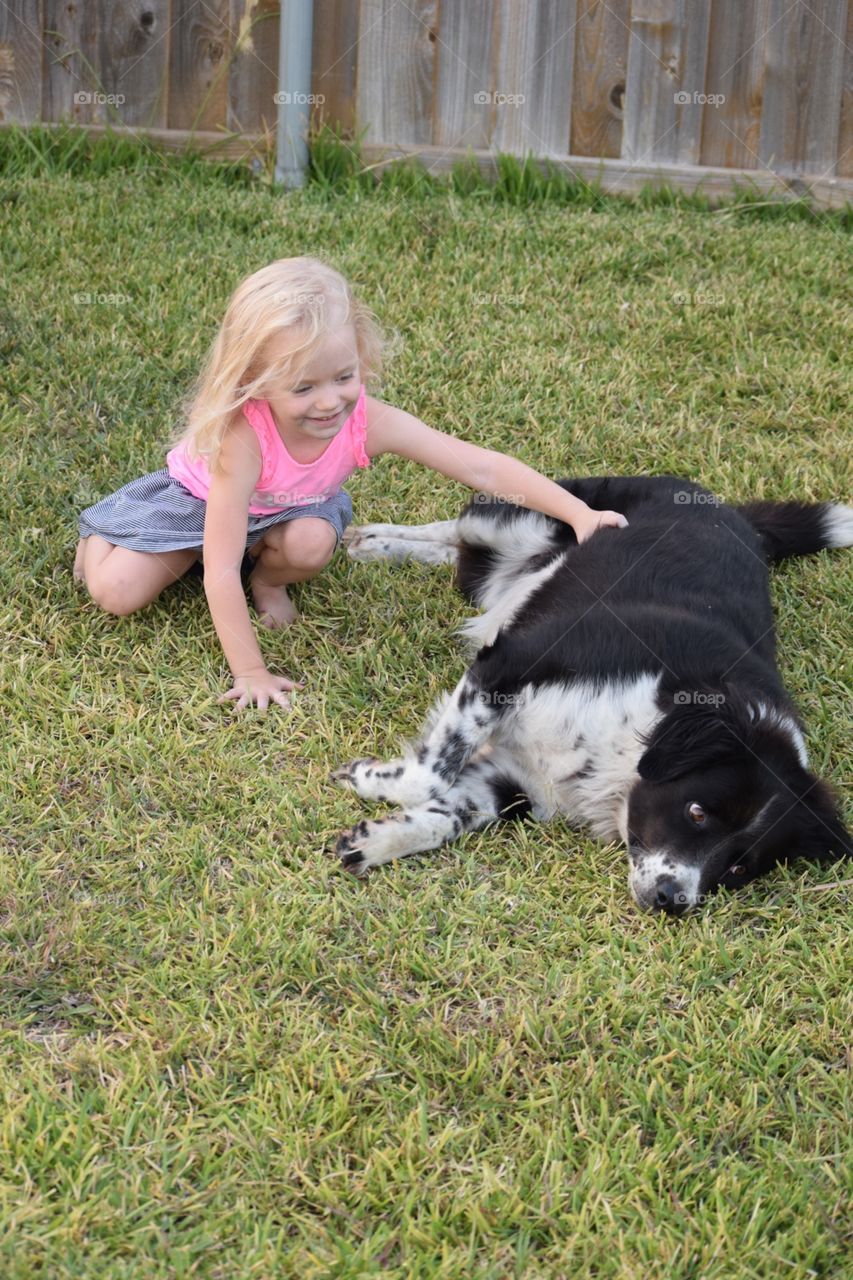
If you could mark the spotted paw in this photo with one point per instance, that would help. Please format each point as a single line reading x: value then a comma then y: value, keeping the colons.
x: 370, y: 843
x: 345, y: 776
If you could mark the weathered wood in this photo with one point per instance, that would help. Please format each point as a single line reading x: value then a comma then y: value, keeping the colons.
x: 464, y: 83
x: 691, y: 88
x: 802, y: 93
x: 71, y: 89
x: 535, y: 63
x: 21, y: 27
x: 133, y: 61
x: 734, y: 84
x: 844, y: 163
x: 253, y: 73
x: 631, y: 178
x: 735, y: 72
x: 200, y: 47
x: 335, y: 63
x: 601, y: 61
x: 665, y: 98
x: 396, y: 64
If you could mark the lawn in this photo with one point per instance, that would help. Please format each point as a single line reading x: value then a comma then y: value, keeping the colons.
x: 223, y: 1057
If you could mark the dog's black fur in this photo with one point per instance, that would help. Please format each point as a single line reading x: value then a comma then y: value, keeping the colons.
x: 629, y: 683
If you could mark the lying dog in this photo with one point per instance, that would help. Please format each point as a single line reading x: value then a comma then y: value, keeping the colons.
x: 628, y: 684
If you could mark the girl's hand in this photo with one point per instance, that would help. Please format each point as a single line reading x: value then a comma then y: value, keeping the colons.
x: 262, y: 687
x: 586, y: 526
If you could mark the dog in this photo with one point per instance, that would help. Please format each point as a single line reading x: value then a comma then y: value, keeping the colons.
x: 628, y: 684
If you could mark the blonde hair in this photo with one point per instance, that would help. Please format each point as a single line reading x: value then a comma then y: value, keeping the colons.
x: 301, y: 297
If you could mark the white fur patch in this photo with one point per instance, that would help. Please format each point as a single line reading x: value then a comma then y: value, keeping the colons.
x: 577, y: 746
x: 763, y: 714
x: 648, y: 868
x: 504, y: 597
x: 838, y: 525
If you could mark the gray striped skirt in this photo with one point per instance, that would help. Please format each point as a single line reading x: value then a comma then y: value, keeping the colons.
x: 158, y: 513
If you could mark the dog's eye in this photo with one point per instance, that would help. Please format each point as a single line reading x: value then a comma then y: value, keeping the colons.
x: 696, y: 814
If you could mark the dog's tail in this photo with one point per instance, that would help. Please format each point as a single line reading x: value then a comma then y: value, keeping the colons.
x: 799, y: 528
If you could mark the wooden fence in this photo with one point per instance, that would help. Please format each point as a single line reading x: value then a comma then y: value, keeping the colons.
x: 693, y: 92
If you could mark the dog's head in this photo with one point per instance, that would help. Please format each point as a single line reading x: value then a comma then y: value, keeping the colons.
x: 723, y: 796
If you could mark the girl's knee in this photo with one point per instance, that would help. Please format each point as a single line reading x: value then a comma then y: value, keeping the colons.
x: 115, y: 595
x: 306, y: 544
x: 315, y: 544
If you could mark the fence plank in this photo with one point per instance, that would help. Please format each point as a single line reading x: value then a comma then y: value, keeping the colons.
x: 396, y: 61
x: 844, y: 163
x: 200, y: 42
x: 71, y: 62
x: 133, y: 60
x: 601, y: 60
x: 805, y: 68
x: 536, y: 54
x: 463, y: 111
x: 335, y: 59
x: 21, y: 24
x: 691, y: 82
x: 651, y: 116
x: 253, y: 73
x: 736, y: 71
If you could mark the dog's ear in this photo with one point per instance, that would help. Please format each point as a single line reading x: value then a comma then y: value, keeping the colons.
x: 821, y: 833
x: 703, y: 729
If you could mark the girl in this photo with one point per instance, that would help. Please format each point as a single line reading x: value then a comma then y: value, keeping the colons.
x: 278, y: 420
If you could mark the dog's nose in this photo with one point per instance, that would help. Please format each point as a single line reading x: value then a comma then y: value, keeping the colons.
x: 669, y: 897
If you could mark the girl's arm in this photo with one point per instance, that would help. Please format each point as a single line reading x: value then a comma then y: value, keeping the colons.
x: 225, y: 524
x: 393, y: 430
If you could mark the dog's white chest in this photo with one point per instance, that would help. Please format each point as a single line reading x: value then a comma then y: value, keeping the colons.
x: 579, y: 743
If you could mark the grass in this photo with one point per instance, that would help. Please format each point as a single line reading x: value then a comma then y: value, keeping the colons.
x: 222, y: 1057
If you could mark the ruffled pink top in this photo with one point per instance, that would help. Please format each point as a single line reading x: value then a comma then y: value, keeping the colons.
x: 283, y: 481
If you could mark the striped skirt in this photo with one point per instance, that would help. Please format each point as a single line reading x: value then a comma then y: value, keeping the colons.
x: 158, y: 513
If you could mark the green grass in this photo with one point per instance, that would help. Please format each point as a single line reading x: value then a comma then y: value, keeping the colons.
x: 221, y: 1056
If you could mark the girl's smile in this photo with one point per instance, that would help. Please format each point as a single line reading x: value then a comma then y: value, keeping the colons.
x: 326, y: 394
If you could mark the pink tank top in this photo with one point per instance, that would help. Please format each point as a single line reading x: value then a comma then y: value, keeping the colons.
x: 283, y: 481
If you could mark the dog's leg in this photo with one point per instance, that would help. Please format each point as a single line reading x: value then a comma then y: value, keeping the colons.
x: 429, y: 543
x: 486, y: 791
x: 459, y: 724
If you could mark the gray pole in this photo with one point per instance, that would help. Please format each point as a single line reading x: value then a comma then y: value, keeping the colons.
x: 294, y: 91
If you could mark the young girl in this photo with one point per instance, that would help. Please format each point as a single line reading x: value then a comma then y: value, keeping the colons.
x: 278, y: 420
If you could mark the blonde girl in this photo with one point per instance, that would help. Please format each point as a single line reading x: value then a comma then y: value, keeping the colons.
x: 278, y: 420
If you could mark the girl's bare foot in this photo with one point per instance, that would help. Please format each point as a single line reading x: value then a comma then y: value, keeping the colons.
x: 79, y: 575
x: 275, y: 607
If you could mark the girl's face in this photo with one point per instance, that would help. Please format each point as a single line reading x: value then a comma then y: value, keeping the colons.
x: 320, y: 403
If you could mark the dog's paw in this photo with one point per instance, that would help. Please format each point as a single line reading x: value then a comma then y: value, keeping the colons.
x: 370, y: 843
x: 368, y: 542
x: 390, y: 781
x: 345, y: 776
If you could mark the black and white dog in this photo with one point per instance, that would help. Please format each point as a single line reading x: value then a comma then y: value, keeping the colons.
x: 628, y: 684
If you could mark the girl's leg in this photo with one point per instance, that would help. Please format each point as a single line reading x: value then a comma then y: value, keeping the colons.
x: 290, y: 552
x: 122, y: 581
